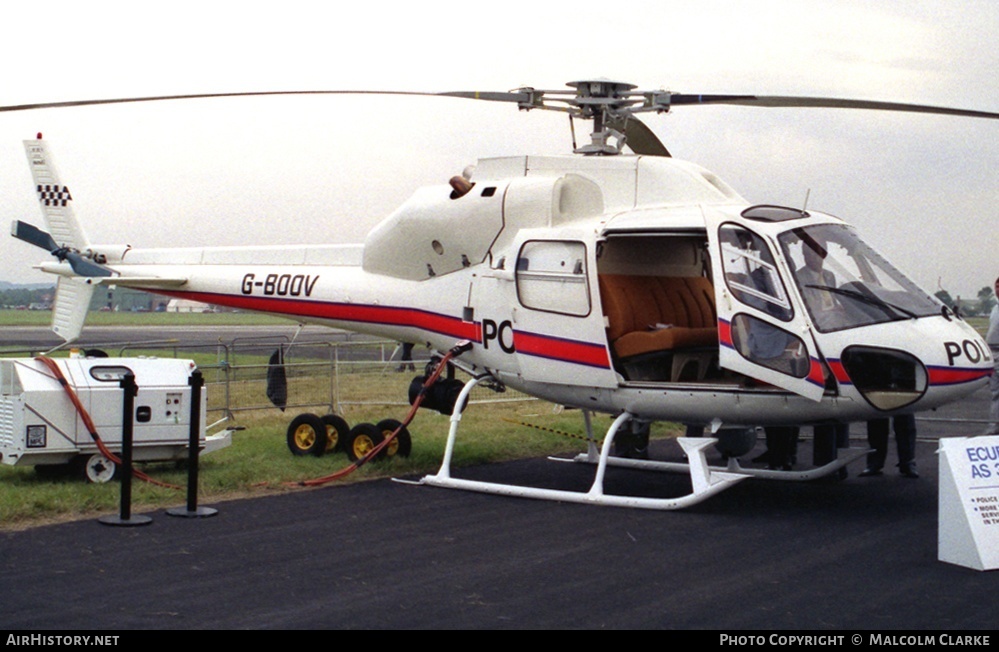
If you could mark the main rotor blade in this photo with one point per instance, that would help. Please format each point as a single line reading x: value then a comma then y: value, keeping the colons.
x: 533, y: 99
x: 199, y: 96
x: 489, y: 96
x: 638, y: 136
x: 791, y: 101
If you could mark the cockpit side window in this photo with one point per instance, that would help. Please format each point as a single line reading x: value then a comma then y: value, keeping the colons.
x: 750, y: 272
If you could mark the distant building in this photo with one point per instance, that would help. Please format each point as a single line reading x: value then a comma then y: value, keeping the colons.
x: 186, y: 305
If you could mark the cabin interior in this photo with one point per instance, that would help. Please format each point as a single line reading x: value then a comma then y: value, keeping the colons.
x: 659, y: 307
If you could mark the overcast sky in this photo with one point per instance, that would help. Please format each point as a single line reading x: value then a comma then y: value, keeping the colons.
x: 922, y: 189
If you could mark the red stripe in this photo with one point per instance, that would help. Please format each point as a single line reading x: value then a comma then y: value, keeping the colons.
x: 950, y: 376
x: 556, y: 348
x: 359, y: 313
x: 725, y: 333
x: 839, y: 371
x: 937, y: 375
x: 815, y: 375
x: 594, y: 355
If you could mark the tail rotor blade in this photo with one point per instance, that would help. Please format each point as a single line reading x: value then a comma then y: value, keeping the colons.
x: 84, y: 266
x: 80, y: 263
x: 33, y: 235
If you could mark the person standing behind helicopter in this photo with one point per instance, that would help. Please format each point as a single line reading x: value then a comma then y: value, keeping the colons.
x: 905, y: 438
x: 992, y: 338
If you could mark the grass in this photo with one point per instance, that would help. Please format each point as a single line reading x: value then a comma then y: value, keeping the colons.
x: 980, y: 324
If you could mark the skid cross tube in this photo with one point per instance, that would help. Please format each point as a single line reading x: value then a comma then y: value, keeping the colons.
x: 705, y: 481
x: 846, y: 456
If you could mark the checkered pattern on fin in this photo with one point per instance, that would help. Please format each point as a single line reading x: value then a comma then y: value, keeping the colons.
x: 54, y: 195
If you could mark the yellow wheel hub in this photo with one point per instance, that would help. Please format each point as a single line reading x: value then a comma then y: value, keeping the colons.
x: 305, y: 436
x: 363, y: 445
x: 332, y: 437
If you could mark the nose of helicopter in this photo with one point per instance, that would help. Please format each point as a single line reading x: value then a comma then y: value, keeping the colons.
x: 965, y: 367
x: 919, y: 364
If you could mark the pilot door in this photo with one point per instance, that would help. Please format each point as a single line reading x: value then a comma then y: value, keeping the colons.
x: 762, y: 333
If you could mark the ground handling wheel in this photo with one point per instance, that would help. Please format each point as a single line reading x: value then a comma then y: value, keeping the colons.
x: 362, y: 440
x: 307, y: 435
x: 336, y: 432
x: 402, y: 445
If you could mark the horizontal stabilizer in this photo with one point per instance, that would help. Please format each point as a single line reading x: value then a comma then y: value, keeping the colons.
x: 142, y: 281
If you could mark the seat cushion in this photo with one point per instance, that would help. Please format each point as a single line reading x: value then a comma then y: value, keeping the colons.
x: 651, y: 313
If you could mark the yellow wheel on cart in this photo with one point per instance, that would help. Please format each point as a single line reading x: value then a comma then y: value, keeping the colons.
x: 336, y: 432
x: 363, y: 438
x: 307, y: 435
x: 402, y: 445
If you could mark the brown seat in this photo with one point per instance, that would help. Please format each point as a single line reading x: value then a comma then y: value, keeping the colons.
x: 646, y: 314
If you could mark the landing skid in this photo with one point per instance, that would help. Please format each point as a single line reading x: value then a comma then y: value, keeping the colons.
x: 705, y: 481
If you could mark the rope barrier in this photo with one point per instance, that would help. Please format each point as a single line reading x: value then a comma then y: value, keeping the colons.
x: 563, y: 433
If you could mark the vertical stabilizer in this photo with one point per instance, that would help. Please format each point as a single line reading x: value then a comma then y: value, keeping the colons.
x: 54, y: 197
x: 72, y: 301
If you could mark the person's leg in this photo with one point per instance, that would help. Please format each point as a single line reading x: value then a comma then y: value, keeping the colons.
x: 877, y: 439
x: 905, y: 438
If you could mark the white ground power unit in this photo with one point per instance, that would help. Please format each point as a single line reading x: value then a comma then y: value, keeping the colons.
x: 41, y: 426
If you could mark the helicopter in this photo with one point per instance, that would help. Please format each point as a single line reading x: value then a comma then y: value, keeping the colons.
x: 634, y: 285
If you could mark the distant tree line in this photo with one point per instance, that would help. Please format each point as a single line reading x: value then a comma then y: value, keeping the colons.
x: 24, y: 297
x: 123, y: 299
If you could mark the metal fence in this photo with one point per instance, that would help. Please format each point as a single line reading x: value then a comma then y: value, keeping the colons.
x: 324, y: 376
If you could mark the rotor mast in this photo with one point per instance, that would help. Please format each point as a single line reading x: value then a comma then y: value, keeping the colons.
x: 602, y: 101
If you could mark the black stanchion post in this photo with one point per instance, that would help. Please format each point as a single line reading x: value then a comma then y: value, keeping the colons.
x: 127, y: 422
x: 192, y: 510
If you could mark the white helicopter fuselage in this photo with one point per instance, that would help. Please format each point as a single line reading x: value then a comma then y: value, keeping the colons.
x: 612, y: 284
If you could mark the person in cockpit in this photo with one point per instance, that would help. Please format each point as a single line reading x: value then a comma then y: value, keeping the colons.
x: 814, y: 281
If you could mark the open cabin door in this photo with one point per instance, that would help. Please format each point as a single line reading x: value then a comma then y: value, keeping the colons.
x: 761, y: 332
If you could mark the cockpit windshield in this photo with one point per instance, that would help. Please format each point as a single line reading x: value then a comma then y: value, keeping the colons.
x: 845, y: 283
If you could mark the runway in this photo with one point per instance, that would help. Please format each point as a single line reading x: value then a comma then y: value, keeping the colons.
x: 856, y: 555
